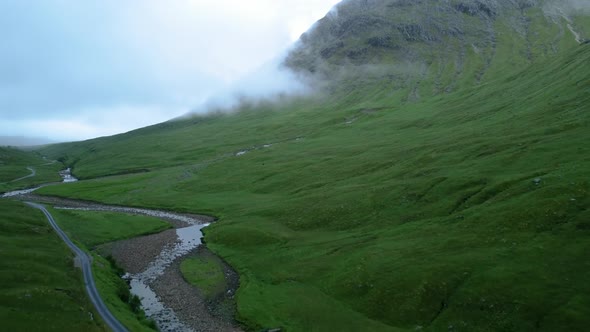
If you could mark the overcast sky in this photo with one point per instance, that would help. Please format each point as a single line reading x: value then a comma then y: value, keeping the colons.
x: 72, y: 69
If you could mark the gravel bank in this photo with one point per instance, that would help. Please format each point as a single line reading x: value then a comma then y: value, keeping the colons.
x: 223, y: 305
x: 134, y: 255
x: 187, y: 302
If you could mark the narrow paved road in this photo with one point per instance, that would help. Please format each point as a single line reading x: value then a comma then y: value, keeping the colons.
x: 84, y: 260
x: 33, y: 173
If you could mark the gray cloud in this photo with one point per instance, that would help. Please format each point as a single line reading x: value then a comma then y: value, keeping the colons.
x: 74, y: 69
x: 269, y: 82
x: 578, y: 5
x: 568, y: 7
x: 53, y: 64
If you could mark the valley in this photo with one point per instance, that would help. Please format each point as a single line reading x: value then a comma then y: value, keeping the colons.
x: 437, y: 180
x: 427, y: 180
x: 96, y: 226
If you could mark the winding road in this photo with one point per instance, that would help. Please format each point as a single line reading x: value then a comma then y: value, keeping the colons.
x: 84, y: 260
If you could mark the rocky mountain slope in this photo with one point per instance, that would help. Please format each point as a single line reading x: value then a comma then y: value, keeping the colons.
x: 429, y: 47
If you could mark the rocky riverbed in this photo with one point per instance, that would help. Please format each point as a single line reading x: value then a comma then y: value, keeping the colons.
x: 188, y: 303
x: 134, y: 255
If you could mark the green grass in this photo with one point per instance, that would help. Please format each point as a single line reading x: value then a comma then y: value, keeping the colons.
x: 14, y: 163
x: 205, y: 273
x: 94, y: 228
x: 115, y: 294
x: 418, y: 215
x: 91, y: 228
x: 40, y: 289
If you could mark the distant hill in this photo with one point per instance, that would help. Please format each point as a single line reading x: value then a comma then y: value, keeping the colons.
x: 22, y: 141
x: 16, y: 164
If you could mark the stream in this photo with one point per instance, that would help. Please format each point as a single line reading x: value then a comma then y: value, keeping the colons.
x: 66, y: 176
x: 189, y: 237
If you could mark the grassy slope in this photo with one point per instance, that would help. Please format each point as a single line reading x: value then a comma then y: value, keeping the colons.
x: 450, y: 67
x: 40, y: 289
x: 110, y: 286
x: 14, y: 163
x: 423, y: 214
x: 206, y: 274
x: 94, y: 228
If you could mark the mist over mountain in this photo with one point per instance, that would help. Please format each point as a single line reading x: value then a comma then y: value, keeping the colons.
x: 571, y: 7
x: 23, y: 141
x: 75, y: 70
x: 271, y: 82
x: 430, y: 47
x: 400, y: 50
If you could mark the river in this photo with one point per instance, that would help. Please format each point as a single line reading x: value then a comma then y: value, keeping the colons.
x: 66, y: 176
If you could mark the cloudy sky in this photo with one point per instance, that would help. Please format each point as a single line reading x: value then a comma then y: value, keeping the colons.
x: 72, y: 69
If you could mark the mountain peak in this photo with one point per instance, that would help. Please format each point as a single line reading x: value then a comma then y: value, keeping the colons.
x: 455, y: 42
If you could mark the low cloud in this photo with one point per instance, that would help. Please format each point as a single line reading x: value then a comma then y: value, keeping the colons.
x: 269, y: 83
x: 567, y: 7
x: 578, y: 5
x: 65, y: 61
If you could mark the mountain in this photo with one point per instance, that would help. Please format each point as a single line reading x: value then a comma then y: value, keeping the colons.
x: 432, y: 47
x: 438, y: 180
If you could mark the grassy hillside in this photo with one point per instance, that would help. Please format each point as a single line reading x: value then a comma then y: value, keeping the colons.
x: 40, y: 287
x: 487, y: 45
x: 469, y: 209
x: 91, y: 228
x: 366, y: 208
x: 431, y: 47
x: 13, y: 169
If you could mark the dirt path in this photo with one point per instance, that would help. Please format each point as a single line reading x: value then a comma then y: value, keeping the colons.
x: 33, y: 173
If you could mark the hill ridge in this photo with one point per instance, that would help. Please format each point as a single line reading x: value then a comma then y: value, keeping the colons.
x: 403, y: 202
